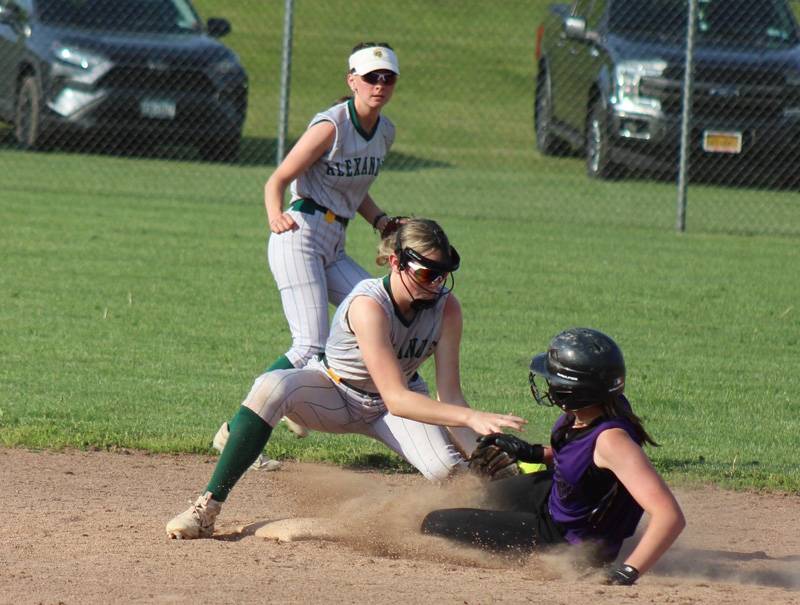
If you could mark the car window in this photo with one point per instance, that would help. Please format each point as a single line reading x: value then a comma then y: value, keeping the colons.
x: 25, y: 5
x: 580, y: 8
x: 156, y: 16
x: 762, y: 22
x: 749, y: 19
x: 655, y: 18
x: 594, y: 14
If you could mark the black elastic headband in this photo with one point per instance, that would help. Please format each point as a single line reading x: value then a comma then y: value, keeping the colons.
x: 448, y: 266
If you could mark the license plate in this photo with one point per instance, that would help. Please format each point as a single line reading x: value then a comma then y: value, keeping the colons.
x: 715, y: 141
x: 160, y: 109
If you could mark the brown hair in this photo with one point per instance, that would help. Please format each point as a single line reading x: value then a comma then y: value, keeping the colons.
x: 618, y: 407
x: 363, y: 45
x: 420, y: 234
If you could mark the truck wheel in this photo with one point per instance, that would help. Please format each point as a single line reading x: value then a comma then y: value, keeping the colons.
x: 546, y: 142
x: 598, y: 145
x: 28, y: 119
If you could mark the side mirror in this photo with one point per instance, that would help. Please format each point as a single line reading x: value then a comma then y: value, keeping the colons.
x: 217, y: 28
x: 10, y: 13
x: 575, y: 27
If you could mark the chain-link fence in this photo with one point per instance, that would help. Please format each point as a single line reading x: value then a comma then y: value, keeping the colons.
x: 554, y: 112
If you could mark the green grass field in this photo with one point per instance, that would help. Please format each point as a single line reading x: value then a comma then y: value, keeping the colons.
x: 136, y: 306
x: 136, y: 316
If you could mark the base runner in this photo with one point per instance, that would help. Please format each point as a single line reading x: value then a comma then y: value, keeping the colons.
x: 601, y: 483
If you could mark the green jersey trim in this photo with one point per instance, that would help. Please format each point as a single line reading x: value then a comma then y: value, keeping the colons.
x: 351, y: 109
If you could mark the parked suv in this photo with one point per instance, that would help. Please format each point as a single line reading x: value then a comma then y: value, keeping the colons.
x: 610, y: 81
x: 120, y: 69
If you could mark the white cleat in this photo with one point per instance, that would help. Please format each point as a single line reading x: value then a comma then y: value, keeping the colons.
x: 262, y: 463
x: 298, y: 429
x: 197, y: 521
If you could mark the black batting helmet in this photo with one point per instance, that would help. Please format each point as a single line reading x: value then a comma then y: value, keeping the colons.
x: 581, y: 367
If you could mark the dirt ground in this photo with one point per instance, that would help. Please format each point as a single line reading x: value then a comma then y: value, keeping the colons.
x: 88, y: 527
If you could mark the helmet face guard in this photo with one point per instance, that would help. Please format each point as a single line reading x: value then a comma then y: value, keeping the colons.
x: 429, y: 273
x: 581, y: 368
x: 550, y: 389
x: 424, y: 271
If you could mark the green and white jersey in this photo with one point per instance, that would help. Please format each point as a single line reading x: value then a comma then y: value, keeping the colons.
x: 340, y: 179
x: 413, y: 341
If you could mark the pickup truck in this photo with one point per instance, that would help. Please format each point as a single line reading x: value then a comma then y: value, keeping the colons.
x: 610, y: 77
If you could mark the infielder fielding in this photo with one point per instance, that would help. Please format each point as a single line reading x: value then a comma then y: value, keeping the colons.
x: 367, y: 380
x: 601, y: 482
x: 329, y: 172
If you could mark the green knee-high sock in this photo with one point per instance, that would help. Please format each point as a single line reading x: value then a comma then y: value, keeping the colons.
x: 282, y: 363
x: 249, y: 434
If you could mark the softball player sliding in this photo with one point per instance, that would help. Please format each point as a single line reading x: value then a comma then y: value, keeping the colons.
x: 601, y: 482
x: 367, y: 381
x: 330, y: 170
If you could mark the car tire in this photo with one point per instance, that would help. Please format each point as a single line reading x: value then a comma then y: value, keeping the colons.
x: 224, y: 149
x: 598, y: 145
x: 28, y: 115
x: 546, y: 142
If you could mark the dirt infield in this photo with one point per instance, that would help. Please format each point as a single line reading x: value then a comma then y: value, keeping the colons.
x: 88, y: 527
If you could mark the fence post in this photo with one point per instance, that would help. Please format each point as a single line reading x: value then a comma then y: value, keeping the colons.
x: 286, y: 70
x: 686, y: 114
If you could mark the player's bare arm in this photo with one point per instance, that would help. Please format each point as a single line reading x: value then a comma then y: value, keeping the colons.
x: 371, y: 211
x: 448, y: 374
x: 369, y: 324
x: 314, y: 142
x: 616, y: 451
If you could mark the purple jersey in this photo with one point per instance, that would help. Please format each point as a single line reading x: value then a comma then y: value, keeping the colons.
x: 588, y: 502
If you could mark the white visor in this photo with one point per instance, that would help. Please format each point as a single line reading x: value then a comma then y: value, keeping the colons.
x: 372, y: 59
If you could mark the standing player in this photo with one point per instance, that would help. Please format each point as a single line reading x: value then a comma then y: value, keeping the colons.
x: 329, y: 171
x: 367, y: 381
x: 602, y: 480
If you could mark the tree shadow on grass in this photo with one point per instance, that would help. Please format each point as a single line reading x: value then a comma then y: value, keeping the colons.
x: 727, y: 174
x: 254, y: 151
x: 259, y: 151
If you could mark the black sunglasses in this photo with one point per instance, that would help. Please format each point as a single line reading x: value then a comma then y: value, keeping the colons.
x: 449, y: 266
x: 375, y: 77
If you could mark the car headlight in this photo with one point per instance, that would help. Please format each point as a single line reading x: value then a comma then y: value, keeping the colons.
x: 225, y: 67
x: 627, y: 80
x: 76, y: 57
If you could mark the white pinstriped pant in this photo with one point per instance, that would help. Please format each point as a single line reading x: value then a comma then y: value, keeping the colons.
x: 308, y: 396
x: 311, y: 269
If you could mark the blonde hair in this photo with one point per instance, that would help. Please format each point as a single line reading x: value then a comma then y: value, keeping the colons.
x: 420, y: 234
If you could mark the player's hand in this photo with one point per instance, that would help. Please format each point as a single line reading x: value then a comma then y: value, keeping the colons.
x: 486, y: 423
x: 623, y: 575
x: 391, y: 225
x: 515, y: 447
x: 282, y: 223
x: 492, y: 463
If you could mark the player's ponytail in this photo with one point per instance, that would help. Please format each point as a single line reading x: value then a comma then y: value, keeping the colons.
x: 619, y: 407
